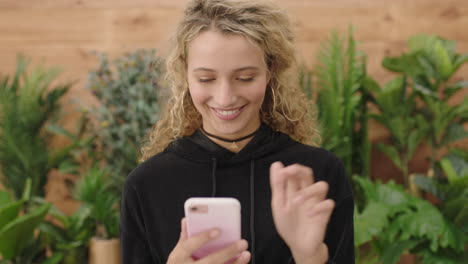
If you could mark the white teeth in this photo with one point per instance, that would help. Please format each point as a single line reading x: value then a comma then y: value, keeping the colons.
x: 227, y: 113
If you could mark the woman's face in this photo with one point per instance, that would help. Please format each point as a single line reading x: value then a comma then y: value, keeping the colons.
x: 227, y: 79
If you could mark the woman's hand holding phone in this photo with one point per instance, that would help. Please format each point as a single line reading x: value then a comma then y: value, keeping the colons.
x: 187, y: 246
x: 301, y: 211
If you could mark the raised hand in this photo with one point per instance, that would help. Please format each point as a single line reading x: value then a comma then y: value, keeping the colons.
x: 300, y: 211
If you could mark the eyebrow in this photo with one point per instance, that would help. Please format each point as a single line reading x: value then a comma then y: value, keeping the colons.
x: 236, y: 70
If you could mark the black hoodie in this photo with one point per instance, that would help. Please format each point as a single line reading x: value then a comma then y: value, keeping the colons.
x: 194, y: 166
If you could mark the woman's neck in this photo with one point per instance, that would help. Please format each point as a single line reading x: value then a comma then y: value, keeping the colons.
x: 233, y: 145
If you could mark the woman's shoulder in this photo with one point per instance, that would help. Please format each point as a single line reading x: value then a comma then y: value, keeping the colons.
x: 146, y: 170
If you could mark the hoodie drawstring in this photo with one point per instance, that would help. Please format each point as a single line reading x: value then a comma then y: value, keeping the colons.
x: 252, y: 210
x: 213, y: 179
x: 252, y: 202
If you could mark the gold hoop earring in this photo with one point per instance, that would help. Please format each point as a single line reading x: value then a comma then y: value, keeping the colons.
x: 184, y: 97
x: 273, y: 97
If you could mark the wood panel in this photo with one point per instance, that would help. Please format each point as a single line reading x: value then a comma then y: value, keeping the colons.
x: 64, y: 33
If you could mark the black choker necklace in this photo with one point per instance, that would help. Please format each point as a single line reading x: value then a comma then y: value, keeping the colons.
x: 233, y: 141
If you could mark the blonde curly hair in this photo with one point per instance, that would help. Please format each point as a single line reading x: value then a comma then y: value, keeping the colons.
x: 285, y: 107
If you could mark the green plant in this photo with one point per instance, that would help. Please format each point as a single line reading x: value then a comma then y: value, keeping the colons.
x: 429, y: 67
x: 29, y: 106
x: 393, y: 222
x: 128, y: 93
x: 451, y: 190
x: 341, y: 102
x: 68, y: 236
x: 398, y: 113
x: 94, y: 190
x: 17, y: 241
x: 425, y: 74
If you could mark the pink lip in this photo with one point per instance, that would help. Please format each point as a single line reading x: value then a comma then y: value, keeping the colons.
x: 228, y: 117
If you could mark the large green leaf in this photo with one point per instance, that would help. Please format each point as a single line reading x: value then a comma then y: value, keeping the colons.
x: 459, y: 61
x: 16, y: 235
x: 406, y: 63
x: 5, y: 198
x: 459, y: 163
x: 399, y: 127
x: 369, y: 223
x: 448, y: 170
x: 442, y: 257
x: 390, y: 97
x: 452, y: 237
x: 371, y: 85
x: 425, y: 222
x: 393, y: 252
x: 392, y: 195
x: 9, y: 212
x: 443, y: 62
x: 427, y: 184
x: 454, y: 132
x: 457, y: 210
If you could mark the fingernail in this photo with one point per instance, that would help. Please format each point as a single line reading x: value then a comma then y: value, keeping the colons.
x: 242, y: 244
x: 214, y: 233
x: 277, y: 164
x: 245, y: 255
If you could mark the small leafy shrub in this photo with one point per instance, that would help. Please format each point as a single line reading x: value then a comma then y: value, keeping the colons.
x: 393, y: 222
x: 29, y: 108
x: 94, y: 191
x: 415, y: 105
x: 127, y: 90
x: 342, y: 102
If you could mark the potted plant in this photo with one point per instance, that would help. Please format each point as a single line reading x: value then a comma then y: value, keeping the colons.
x: 94, y: 190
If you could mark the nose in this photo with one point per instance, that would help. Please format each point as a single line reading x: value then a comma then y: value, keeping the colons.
x: 225, y: 95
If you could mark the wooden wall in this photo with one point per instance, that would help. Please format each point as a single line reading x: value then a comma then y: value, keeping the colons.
x: 64, y: 32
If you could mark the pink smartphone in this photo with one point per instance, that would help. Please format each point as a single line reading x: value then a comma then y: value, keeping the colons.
x: 203, y: 214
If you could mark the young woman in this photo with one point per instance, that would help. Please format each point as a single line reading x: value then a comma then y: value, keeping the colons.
x: 237, y: 125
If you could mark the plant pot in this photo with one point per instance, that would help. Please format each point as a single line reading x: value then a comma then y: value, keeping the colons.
x: 104, y: 251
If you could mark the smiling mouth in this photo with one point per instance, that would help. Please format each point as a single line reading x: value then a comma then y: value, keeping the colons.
x: 227, y: 112
x: 231, y: 113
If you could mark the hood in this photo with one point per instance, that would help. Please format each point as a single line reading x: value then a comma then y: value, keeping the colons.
x: 199, y: 148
